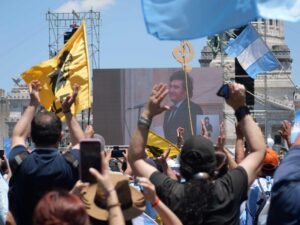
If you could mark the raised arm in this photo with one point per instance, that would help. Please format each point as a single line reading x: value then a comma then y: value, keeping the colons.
x: 221, y: 147
x: 23, y: 126
x: 167, y: 216
x: 180, y: 137
x: 139, y: 139
x: 253, y: 135
x: 239, y: 145
x: 285, y: 132
x: 115, y: 215
x: 76, y: 133
x: 164, y: 164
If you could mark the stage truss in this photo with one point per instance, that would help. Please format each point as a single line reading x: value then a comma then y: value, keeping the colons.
x: 59, y: 23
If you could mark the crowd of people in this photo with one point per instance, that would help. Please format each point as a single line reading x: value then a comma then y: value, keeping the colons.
x: 42, y: 186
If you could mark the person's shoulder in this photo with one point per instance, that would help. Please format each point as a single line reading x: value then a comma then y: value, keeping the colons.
x: 16, y: 150
x: 196, y: 107
x: 159, y: 179
x: 237, y: 176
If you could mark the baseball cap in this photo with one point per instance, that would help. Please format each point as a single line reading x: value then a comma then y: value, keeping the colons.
x: 197, y: 155
x: 270, y: 162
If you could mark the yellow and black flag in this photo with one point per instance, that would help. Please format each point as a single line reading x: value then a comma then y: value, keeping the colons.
x: 58, y: 75
x: 156, y: 145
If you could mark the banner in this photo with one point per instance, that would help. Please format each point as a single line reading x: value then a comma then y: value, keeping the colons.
x: 156, y: 145
x: 58, y: 75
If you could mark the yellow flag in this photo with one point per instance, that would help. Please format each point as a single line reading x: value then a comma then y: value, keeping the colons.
x: 157, y: 144
x: 58, y: 75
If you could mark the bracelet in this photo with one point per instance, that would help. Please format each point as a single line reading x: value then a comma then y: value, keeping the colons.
x: 144, y: 122
x: 156, y: 202
x: 113, y: 205
x: 241, y: 112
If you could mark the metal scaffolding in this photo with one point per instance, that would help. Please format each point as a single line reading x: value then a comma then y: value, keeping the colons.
x: 59, y: 23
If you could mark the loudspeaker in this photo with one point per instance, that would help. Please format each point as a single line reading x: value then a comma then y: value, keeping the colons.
x: 68, y: 34
x: 242, y: 77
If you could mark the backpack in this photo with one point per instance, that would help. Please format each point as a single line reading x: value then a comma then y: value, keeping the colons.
x: 262, y: 203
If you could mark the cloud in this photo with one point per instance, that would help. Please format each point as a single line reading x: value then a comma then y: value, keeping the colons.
x: 277, y: 9
x: 84, y: 5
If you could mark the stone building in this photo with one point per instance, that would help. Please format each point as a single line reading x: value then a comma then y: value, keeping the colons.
x: 4, y: 112
x: 274, y: 91
x: 18, y: 100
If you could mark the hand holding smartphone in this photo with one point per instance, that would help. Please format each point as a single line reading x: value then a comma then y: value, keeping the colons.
x: 89, y: 157
x: 117, y: 152
x: 224, y: 91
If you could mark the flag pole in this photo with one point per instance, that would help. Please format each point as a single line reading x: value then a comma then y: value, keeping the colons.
x: 265, y: 84
x: 184, y: 54
x: 89, y: 116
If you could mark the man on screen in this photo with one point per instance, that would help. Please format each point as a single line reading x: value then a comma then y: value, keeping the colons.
x: 178, y: 115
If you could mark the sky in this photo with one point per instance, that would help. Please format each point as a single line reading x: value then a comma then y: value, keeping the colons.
x: 124, y: 41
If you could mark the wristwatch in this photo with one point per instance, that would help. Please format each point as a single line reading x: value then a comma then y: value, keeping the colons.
x: 241, y: 112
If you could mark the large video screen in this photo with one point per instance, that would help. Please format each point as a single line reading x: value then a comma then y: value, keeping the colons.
x: 119, y: 96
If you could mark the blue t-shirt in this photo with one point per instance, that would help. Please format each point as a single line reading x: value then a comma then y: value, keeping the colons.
x: 41, y: 171
x: 285, y: 196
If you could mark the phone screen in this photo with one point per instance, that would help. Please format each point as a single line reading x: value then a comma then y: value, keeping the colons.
x: 89, y: 157
x: 224, y: 91
x: 117, y: 152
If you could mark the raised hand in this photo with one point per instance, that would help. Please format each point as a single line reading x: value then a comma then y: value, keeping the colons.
x: 34, y: 89
x: 103, y: 178
x: 149, y: 189
x: 237, y: 95
x: 221, y: 138
x: 285, y: 131
x: 153, y: 107
x: 69, y: 100
x: 204, y: 131
x: 89, y: 131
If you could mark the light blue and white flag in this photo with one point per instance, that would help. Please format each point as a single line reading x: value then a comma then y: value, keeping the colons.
x: 189, y: 19
x: 252, y: 52
x: 6, y: 145
x: 296, y: 127
x: 279, y: 9
x: 143, y: 219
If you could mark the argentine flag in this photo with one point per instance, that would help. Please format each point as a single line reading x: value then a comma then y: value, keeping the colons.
x: 252, y: 52
x: 190, y: 19
x: 296, y: 128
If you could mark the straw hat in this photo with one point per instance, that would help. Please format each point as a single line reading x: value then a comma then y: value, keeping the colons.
x: 132, y: 201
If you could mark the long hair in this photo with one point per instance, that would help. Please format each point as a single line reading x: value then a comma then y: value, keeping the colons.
x: 197, y: 191
x: 60, y: 208
x: 197, y: 195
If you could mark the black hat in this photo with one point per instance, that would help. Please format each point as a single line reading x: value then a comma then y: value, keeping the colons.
x: 197, y: 155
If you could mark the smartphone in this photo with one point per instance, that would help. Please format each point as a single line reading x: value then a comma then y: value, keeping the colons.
x: 2, y: 154
x: 89, y: 157
x: 224, y: 91
x: 117, y: 152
